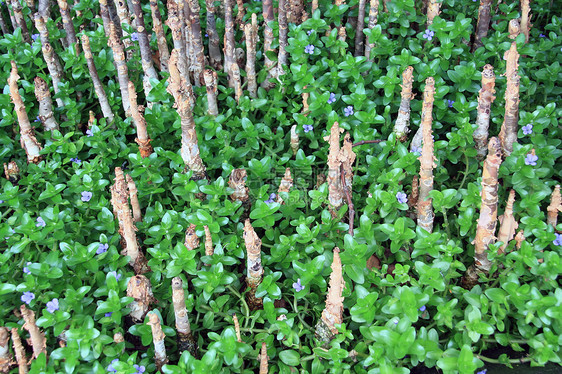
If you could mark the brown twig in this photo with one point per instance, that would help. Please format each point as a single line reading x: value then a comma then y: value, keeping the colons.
x: 367, y: 142
x: 349, y: 201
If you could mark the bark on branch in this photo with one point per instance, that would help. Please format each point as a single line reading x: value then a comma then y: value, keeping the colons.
x: 485, y: 100
x: 508, y: 132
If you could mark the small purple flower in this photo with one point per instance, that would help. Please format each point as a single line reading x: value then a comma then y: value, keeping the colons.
x: 309, y: 32
x: 110, y: 368
x: 86, y: 196
x: 108, y: 314
x: 53, y: 306
x: 140, y: 369
x: 482, y: 371
x: 416, y: 151
x: 27, y: 297
x: 527, y: 129
x: 134, y: 37
x: 332, y: 98
x: 102, y: 248
x: 271, y: 198
x: 348, y: 111
x: 309, y: 49
x: 450, y: 103
x: 89, y: 132
x: 37, y: 119
x: 76, y: 160
x: 114, y: 273
x: 26, y: 269
x: 298, y: 286
x: 558, y: 240
x: 308, y: 128
x: 401, y: 197
x: 422, y: 309
x: 542, y: 36
x: 34, y: 37
x: 395, y: 321
x: 40, y: 222
x: 206, y: 35
x: 531, y: 159
x: 1, y: 201
x: 428, y: 34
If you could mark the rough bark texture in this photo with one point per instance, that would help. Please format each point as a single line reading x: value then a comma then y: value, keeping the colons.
x: 163, y: 51
x: 255, y: 269
x: 373, y: 16
x: 122, y: 72
x: 294, y: 139
x: 283, y: 57
x: 229, y: 42
x: 251, y: 35
x: 211, y: 80
x: 525, y: 18
x: 237, y: 181
x: 263, y: 359
x: 19, y: 352
x: 414, y: 195
x: 425, y: 209
x: 483, y: 24
x: 191, y: 238
x: 359, y: 35
x: 485, y: 100
x: 38, y: 341
x: 53, y: 63
x: 142, y: 135
x: 45, y: 105
x: 106, y: 18
x: 267, y: 6
x: 305, y: 109
x: 27, y: 134
x: 513, y: 28
x: 236, y: 81
x: 432, y: 11
x: 133, y: 194
x: 98, y: 86
x: 124, y: 18
x: 508, y: 132
x: 347, y: 158
x: 158, y: 336
x: 20, y: 20
x: 209, y: 250
x: 68, y: 25
x: 6, y: 358
x: 342, y: 34
x: 198, y: 64
x: 215, y: 57
x: 508, y: 224
x: 237, y: 328
x: 401, y: 126
x: 285, y: 185
x: 185, y: 339
x: 12, y: 171
x: 335, y: 191
x: 3, y: 25
x: 140, y: 290
x: 175, y: 23
x: 554, y: 207
x: 486, y: 228
x: 144, y: 45
x: 241, y: 12
x: 333, y: 312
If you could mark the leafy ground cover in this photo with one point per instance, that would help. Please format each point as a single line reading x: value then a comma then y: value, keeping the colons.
x: 343, y: 264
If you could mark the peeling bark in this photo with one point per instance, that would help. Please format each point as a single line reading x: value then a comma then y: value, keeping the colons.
x: 433, y: 7
x: 486, y: 228
x: 124, y: 18
x: 137, y: 215
x: 425, y: 209
x: 28, y: 141
x: 237, y: 82
x: 6, y: 358
x: 163, y: 52
x: 12, y: 171
x: 3, y: 25
x: 19, y: 352
x: 98, y: 86
x: 191, y: 238
x: 45, y: 105
x: 237, y: 328
x: 485, y: 100
x: 359, y: 35
x: 142, y: 135
x: 335, y: 190
x: 160, y: 358
x: 403, y: 121
x: 305, y: 108
x: 554, y: 207
x: 20, y: 21
x: 519, y: 239
x: 342, y: 34
x: 237, y: 181
x: 508, y: 224
x: 525, y: 18
x: 215, y: 57
x: 294, y: 139
x: 241, y: 12
x: 285, y: 185
x: 144, y: 46
x: 251, y: 34
x: 68, y: 25
x: 186, y: 341
x: 38, y: 341
x: 211, y: 79
x: 140, y: 290
x: 333, y: 312
x: 483, y: 24
x: 229, y: 43
x: 263, y: 359
x: 267, y: 6
x: 175, y: 23
x: 283, y: 57
x: 255, y: 269
x: 209, y: 250
x: 122, y: 72
x: 198, y: 64
x: 347, y: 158
x: 105, y: 17
x: 508, y: 132
x: 513, y: 28
x: 413, y: 198
x: 373, y: 16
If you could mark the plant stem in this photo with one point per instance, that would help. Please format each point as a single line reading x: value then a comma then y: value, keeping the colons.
x: 246, y: 309
x: 465, y: 172
x: 521, y: 360
x: 446, y: 223
x: 296, y: 309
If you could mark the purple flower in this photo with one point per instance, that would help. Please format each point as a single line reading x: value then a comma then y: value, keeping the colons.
x: 482, y: 371
x: 89, y: 132
x: 401, y: 197
x: 27, y: 297
x: 428, y: 34
x: 309, y: 32
x: 40, y: 222
x: 1, y: 201
x: 271, y: 198
x: 309, y: 49
x: 531, y: 159
x: 140, y: 369
x: 308, y: 128
x: 558, y: 240
x: 34, y: 37
x: 134, y: 37
x: 450, y: 103
x: 37, y: 119
x: 86, y: 196
x: 527, y: 129
x: 416, y: 151
x: 298, y: 286
x: 348, y: 111
x: 395, y: 321
x: 206, y: 35
x: 102, y: 248
x: 332, y: 98
x: 422, y: 309
x: 53, y: 306
x: 76, y: 160
x: 542, y: 36
x: 108, y: 314
x: 110, y: 367
x: 114, y: 273
x: 26, y: 269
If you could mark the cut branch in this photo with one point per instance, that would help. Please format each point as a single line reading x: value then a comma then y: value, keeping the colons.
x: 294, y: 139
x: 215, y: 57
x: 525, y: 18
x: 229, y: 42
x: 554, y: 207
x: 251, y: 35
x: 185, y: 339
x: 98, y: 87
x: 359, y: 35
x: 158, y: 336
x: 282, y: 59
x: 38, y: 341
x: 483, y: 24
x: 403, y: 121
x: 333, y: 312
x: 68, y: 25
x: 485, y: 100
x: 175, y: 23
x: 255, y: 269
x: 45, y: 105
x: 142, y: 134
x: 211, y: 79
x: 508, y: 224
x: 373, y: 16
x: 263, y: 359
x: 20, y: 20
x: 209, y: 250
x: 285, y: 185
x: 6, y: 358
x: 508, y: 132
x: 267, y: 6
x: 198, y: 63
x: 140, y: 290
x: 163, y: 52
x: 19, y: 352
x: 122, y: 72
x: 432, y: 11
x: 335, y: 190
x: 237, y: 181
x: 137, y: 215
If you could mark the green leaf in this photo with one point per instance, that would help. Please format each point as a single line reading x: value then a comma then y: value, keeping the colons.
x: 290, y: 357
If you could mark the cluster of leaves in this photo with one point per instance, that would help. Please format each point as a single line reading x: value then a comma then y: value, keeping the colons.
x: 410, y: 312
